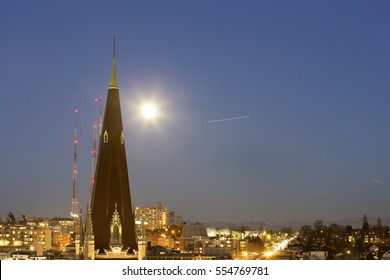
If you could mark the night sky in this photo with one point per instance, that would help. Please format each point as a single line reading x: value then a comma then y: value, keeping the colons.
x: 313, y: 77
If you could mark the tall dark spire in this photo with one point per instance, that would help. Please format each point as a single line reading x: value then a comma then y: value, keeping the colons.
x: 112, y: 189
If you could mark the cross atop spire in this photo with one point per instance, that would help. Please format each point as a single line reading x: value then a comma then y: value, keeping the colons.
x: 113, y: 80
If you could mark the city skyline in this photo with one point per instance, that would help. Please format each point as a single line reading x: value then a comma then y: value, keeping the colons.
x: 266, y: 110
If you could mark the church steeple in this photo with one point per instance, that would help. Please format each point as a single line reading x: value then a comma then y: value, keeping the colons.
x: 111, y: 193
x: 113, y: 81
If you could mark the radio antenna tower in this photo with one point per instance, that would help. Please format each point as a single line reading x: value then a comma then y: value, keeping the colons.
x: 94, y: 150
x: 101, y: 116
x: 75, y: 203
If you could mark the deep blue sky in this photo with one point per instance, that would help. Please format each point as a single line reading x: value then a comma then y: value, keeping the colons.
x: 314, y: 77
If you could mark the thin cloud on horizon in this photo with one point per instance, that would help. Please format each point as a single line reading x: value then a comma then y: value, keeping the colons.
x: 377, y: 182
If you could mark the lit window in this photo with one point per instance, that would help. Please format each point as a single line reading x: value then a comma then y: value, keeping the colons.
x: 122, y: 138
x: 105, y: 137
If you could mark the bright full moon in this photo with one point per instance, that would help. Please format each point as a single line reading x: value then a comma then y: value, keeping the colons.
x: 149, y: 111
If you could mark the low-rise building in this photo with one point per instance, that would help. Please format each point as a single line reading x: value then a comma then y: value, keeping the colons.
x: 15, y: 237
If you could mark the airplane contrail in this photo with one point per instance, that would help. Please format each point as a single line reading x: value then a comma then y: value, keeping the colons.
x: 229, y: 119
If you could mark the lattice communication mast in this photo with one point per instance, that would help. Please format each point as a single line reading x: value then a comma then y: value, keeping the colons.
x: 95, y: 147
x: 94, y: 151
x: 101, y: 116
x: 75, y: 203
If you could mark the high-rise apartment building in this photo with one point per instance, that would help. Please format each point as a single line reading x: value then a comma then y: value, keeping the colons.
x: 151, y: 217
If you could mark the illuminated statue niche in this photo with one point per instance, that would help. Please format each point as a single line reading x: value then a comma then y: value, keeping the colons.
x: 116, y: 231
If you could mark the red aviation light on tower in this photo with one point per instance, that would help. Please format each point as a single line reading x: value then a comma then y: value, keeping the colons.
x: 75, y: 203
